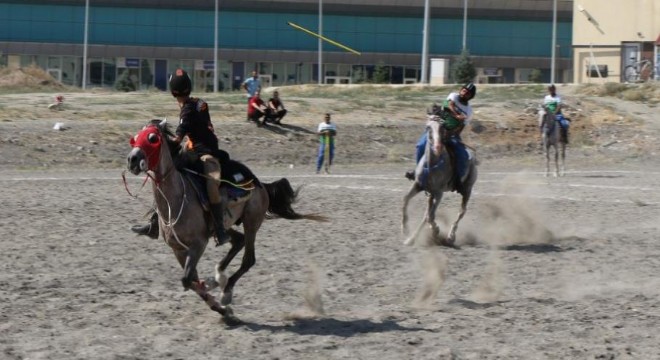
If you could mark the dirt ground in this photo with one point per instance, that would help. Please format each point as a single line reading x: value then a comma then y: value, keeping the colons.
x: 549, y: 268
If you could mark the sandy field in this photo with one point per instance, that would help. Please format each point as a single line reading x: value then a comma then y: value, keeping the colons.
x: 549, y: 268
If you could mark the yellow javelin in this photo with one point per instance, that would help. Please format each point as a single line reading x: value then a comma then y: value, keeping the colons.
x: 298, y: 27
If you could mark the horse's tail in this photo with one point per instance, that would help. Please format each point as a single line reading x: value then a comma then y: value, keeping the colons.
x: 281, y: 196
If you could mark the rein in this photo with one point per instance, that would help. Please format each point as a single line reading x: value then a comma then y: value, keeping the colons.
x: 123, y: 176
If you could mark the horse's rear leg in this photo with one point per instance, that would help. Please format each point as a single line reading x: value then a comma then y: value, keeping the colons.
x: 249, y: 259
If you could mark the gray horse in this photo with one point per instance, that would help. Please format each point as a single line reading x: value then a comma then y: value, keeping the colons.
x: 435, y: 175
x: 552, y: 137
x: 186, y: 227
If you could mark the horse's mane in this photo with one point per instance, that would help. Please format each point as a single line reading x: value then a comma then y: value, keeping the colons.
x: 166, y: 130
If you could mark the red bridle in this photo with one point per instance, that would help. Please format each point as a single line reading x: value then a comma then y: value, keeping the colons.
x: 149, y: 140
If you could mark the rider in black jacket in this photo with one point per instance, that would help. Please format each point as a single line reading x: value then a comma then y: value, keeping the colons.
x: 195, y: 123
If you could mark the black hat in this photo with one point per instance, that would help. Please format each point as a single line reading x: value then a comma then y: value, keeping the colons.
x: 180, y: 84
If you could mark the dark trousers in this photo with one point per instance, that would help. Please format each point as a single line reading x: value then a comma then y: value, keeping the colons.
x: 275, y: 115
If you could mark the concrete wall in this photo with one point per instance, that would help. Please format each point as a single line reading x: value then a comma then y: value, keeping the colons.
x: 612, y: 30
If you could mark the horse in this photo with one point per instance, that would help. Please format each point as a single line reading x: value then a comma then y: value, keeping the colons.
x: 185, y: 224
x: 435, y: 175
x: 552, y: 137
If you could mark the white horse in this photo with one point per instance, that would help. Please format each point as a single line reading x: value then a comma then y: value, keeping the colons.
x: 551, y: 137
x: 435, y: 175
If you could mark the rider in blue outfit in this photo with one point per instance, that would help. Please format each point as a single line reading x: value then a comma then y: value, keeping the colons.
x: 457, y: 114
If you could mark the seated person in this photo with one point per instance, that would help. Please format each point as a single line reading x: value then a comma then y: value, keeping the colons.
x: 276, y: 110
x: 257, y: 108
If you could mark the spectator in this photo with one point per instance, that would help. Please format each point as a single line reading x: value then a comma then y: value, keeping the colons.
x: 327, y: 132
x: 252, y: 84
x: 257, y: 108
x: 276, y: 110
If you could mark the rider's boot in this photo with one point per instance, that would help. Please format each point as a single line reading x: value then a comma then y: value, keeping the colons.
x: 564, y: 134
x: 151, y: 229
x: 410, y: 175
x: 221, y: 234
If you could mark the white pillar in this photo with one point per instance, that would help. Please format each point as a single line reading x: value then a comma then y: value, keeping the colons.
x: 425, y: 44
x: 86, y: 31
x: 464, y: 24
x: 215, y: 50
x: 554, y: 42
x: 320, y: 70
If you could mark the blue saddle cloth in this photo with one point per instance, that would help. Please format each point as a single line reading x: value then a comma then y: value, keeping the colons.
x: 234, y: 174
x: 426, y: 170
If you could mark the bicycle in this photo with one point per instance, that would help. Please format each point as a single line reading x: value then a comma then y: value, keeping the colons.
x: 639, y: 71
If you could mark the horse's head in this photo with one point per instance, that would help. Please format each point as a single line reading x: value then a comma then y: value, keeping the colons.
x: 435, y: 136
x: 146, y: 145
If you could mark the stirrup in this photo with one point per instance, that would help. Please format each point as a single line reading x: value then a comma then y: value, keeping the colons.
x: 146, y: 230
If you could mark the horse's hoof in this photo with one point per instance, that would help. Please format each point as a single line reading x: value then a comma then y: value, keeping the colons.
x: 231, y: 320
x: 448, y: 243
x: 210, y: 283
x: 408, y: 241
x: 187, y: 284
x: 226, y: 298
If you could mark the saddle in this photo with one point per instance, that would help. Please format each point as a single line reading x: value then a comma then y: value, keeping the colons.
x: 237, y: 180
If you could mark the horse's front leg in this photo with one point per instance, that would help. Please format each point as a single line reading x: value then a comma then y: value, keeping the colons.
x: 546, y: 148
x: 556, y: 160
x: 563, y: 159
x: 451, y: 236
x: 429, y: 218
x: 414, y: 190
x: 237, y: 243
x: 193, y: 254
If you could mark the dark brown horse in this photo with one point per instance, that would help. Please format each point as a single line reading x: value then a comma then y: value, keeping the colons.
x: 186, y: 226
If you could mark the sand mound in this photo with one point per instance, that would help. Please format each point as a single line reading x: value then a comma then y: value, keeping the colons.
x: 32, y: 77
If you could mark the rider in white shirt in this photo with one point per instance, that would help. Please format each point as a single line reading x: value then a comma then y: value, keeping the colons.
x: 552, y: 104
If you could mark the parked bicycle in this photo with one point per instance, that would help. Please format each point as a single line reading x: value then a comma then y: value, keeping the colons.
x: 639, y: 71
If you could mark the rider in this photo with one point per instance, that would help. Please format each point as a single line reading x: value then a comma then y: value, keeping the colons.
x: 552, y: 104
x: 457, y: 113
x: 195, y: 123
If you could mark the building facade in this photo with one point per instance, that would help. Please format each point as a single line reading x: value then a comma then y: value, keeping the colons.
x: 142, y: 41
x: 614, y: 37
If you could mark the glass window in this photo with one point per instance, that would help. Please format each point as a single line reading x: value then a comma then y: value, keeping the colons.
x: 330, y: 69
x: 249, y: 67
x: 71, y: 70
x: 54, y: 62
x: 146, y: 74
x: 42, y: 61
x: 411, y: 73
x: 96, y: 71
x: 293, y: 73
x: 279, y: 74
x: 265, y: 68
x: 27, y: 60
x: 358, y: 75
x: 396, y: 76
x: 343, y: 70
x: 109, y: 72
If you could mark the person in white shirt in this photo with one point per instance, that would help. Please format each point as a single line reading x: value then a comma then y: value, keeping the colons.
x: 327, y: 132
